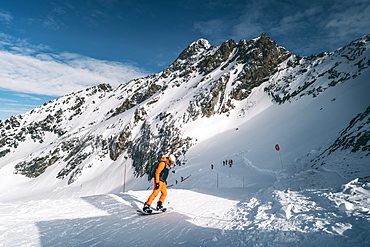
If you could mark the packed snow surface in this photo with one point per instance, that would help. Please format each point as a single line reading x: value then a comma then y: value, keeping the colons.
x: 206, y: 217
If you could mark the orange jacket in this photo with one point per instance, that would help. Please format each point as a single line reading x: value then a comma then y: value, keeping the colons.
x: 161, y: 166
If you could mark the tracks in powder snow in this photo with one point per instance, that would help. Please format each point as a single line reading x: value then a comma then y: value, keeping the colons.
x: 224, y: 217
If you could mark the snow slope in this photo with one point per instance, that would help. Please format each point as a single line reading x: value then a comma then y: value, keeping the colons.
x: 217, y: 217
x: 311, y: 198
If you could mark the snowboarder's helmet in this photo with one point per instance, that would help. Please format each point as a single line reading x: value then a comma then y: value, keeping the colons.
x: 172, y: 158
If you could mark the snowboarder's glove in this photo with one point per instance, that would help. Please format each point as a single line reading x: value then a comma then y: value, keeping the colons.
x: 157, y: 186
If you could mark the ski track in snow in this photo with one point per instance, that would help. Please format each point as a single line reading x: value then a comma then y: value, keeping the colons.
x: 223, y: 217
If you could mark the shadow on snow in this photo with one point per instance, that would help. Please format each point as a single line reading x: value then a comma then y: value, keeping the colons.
x: 124, y: 227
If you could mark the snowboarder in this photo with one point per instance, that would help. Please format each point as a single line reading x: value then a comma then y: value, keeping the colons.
x: 160, y: 183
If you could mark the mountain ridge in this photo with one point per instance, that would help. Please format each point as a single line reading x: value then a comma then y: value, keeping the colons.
x: 145, y: 118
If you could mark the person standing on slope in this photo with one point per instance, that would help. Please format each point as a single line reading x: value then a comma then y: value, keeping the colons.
x: 160, y: 183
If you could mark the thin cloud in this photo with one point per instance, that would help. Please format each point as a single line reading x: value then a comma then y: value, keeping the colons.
x: 31, y: 75
x: 211, y: 28
x: 301, y: 20
x: 15, y: 111
x: 23, y: 105
x: 14, y: 108
x: 7, y: 100
x: 93, y: 14
x: 55, y: 17
x: 51, y: 23
x: 27, y: 96
x: 305, y: 27
x: 353, y: 20
x: 21, y: 46
x: 6, y: 17
x: 39, y: 71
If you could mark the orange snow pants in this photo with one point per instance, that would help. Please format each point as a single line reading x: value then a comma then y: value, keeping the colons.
x: 163, y: 189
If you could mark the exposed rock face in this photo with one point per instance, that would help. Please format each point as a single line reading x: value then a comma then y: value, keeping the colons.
x: 356, y: 136
x: 138, y: 97
x: 306, y: 72
x: 261, y: 60
x: 244, y: 66
x: 188, y: 57
x: 213, y: 61
x: 117, y: 144
x: 150, y: 147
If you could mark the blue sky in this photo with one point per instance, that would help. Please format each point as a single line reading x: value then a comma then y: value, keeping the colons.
x: 49, y: 48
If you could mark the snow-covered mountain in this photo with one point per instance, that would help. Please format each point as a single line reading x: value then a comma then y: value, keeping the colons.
x: 229, y: 86
x: 232, y: 102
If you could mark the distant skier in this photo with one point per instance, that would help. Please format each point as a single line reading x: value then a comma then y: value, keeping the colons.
x: 160, y: 183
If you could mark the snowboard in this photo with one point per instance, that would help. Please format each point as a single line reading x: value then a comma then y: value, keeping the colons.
x: 153, y: 211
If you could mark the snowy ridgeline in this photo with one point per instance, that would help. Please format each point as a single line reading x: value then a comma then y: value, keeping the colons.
x: 223, y: 217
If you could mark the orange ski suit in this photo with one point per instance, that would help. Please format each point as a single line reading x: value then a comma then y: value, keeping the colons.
x: 160, y: 178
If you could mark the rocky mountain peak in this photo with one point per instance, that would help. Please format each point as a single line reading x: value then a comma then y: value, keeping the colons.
x: 261, y: 58
x: 195, y: 48
x: 188, y: 56
x: 214, y: 60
